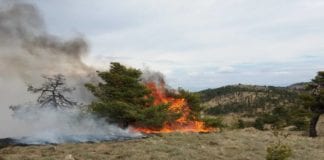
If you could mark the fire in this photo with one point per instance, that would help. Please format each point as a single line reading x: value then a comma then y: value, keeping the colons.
x: 177, y: 105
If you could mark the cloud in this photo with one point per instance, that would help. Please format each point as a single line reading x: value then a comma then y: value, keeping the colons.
x: 226, y: 69
x: 203, y: 38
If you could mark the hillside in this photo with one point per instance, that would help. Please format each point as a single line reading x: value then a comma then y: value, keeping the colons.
x: 247, y: 99
x: 272, y: 104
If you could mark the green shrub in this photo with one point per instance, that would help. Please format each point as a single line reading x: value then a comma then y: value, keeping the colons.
x: 259, y: 123
x: 301, y: 124
x: 278, y: 151
x: 214, y: 122
x: 240, y: 123
x: 155, y: 117
x: 281, y: 117
x: 193, y: 100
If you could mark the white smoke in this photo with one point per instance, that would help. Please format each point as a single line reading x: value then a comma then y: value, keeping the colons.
x: 46, y: 125
x: 152, y: 76
x: 158, y: 78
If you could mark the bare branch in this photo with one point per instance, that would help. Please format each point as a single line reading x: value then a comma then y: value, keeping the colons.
x: 51, y: 92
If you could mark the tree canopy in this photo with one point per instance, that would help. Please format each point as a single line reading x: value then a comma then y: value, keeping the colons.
x: 123, y: 99
x: 314, y: 100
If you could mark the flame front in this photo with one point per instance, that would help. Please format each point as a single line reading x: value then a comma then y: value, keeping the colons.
x: 177, y: 105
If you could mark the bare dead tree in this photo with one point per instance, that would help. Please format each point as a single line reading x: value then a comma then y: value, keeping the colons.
x: 52, y: 92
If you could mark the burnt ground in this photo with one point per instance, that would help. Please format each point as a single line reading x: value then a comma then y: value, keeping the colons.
x: 12, y: 142
x: 7, y: 142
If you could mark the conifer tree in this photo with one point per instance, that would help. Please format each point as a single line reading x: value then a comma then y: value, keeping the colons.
x: 314, y: 100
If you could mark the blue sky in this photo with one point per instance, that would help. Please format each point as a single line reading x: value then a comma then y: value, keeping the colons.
x: 199, y: 44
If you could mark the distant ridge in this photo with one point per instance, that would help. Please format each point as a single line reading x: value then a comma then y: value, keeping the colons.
x: 250, y: 100
x: 298, y: 86
x: 257, y: 106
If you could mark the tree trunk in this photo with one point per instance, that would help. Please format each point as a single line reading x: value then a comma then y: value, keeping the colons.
x: 312, y: 126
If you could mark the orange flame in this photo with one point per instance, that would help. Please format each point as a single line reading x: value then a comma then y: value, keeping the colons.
x: 177, y: 105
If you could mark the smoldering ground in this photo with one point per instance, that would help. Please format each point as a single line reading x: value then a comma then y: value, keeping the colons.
x: 62, y: 126
x: 28, y: 51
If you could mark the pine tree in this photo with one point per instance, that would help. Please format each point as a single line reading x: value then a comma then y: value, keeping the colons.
x: 314, y: 100
x: 123, y: 99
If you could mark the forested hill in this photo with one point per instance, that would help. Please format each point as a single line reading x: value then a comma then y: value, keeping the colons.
x: 249, y: 99
x: 257, y: 106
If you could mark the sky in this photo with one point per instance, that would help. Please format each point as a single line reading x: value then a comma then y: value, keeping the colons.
x: 198, y: 44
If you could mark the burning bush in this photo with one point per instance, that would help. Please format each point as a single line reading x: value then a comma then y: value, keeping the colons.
x: 124, y: 98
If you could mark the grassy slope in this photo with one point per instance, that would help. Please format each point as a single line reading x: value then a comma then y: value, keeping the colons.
x: 235, y: 144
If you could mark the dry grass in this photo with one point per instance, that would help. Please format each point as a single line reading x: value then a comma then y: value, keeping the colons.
x: 246, y: 144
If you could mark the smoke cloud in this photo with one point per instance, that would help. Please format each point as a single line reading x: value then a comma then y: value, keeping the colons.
x: 149, y: 76
x: 28, y: 51
x: 152, y: 76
